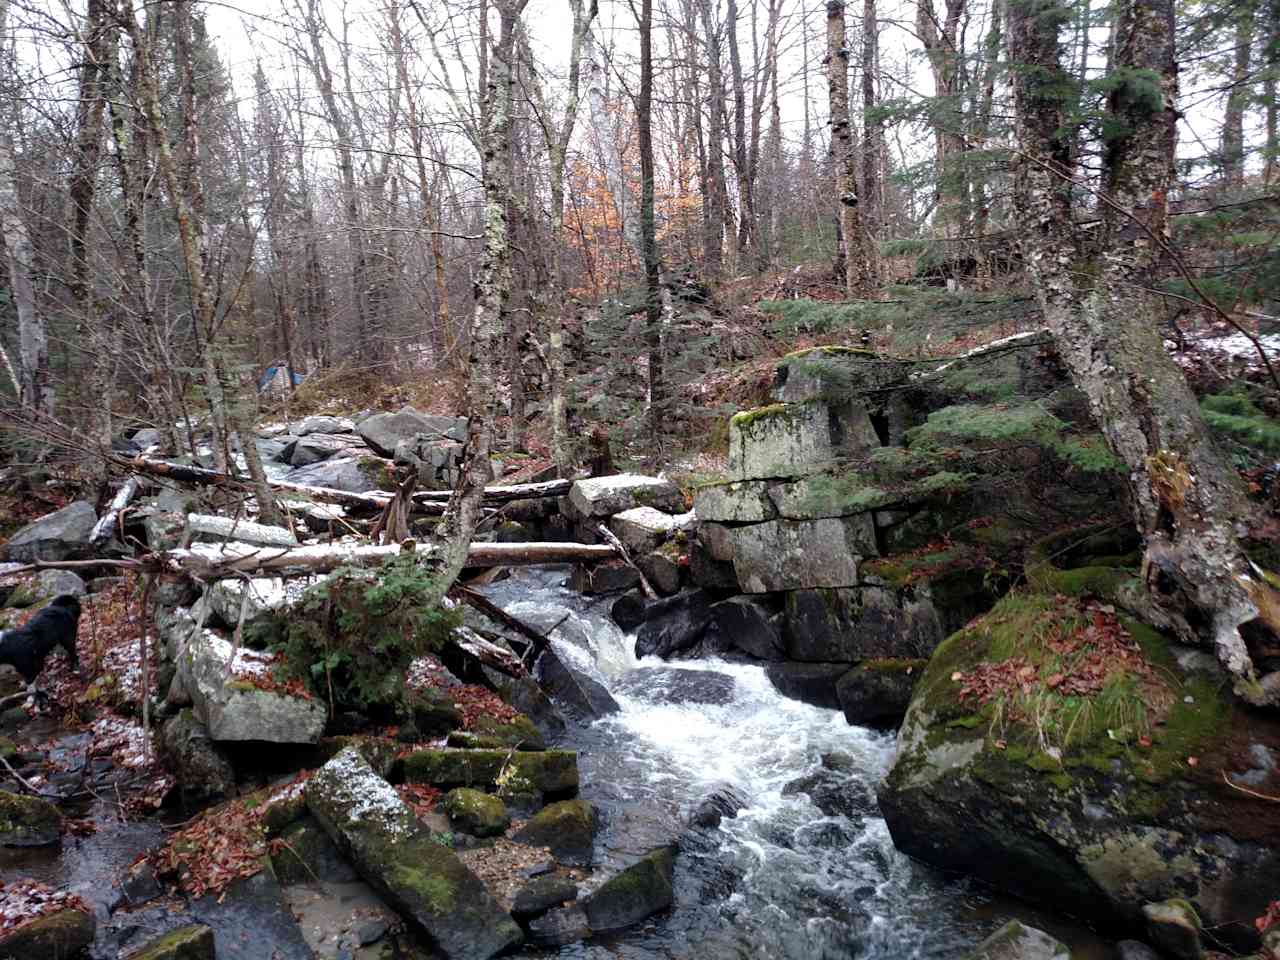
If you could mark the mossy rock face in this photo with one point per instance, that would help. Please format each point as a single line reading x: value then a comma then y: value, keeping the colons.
x: 1016, y: 941
x: 639, y: 891
x: 567, y: 828
x: 194, y: 942
x: 487, y: 733
x: 306, y: 854
x: 475, y: 812
x: 28, y: 821
x: 430, y: 713
x: 1096, y: 800
x: 549, y: 772
x: 57, y: 936
x: 878, y: 692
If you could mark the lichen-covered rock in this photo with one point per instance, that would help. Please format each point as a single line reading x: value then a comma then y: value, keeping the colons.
x: 568, y: 828
x: 1016, y: 941
x: 744, y: 501
x: 798, y: 554
x: 1096, y: 791
x: 28, y: 821
x: 192, y: 942
x: 878, y: 692
x: 596, y: 498
x: 232, y: 694
x: 425, y: 881
x: 642, y: 529
x: 383, y: 431
x: 639, y: 891
x: 61, y: 535
x: 202, y: 768
x: 792, y: 439
x: 750, y: 627
x: 549, y: 772
x: 55, y: 936
x: 476, y: 812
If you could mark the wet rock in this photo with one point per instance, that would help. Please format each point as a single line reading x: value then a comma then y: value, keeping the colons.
x: 55, y: 936
x: 834, y: 791
x: 425, y: 881
x: 724, y: 801
x: 528, y: 697
x: 307, y: 854
x: 203, y: 769
x: 607, y: 577
x: 323, y: 424
x: 1135, y: 950
x: 662, y: 568
x: 224, y: 697
x: 542, y: 894
x: 801, y: 554
x: 642, y: 529
x: 383, y: 431
x: 193, y: 942
x: 628, y: 610
x: 878, y: 692
x: 1015, y: 941
x: 749, y: 626
x: 673, y: 624
x: 487, y: 733
x: 553, y: 772
x: 673, y: 685
x: 138, y: 885
x: 248, y: 914
x: 1174, y: 926
x: 339, y: 473
x: 28, y: 821
x: 639, y: 891
x: 568, y: 828
x: 813, y: 683
x: 580, y: 696
x: 475, y: 812
x: 746, y: 502
x: 51, y: 583
x: 560, y: 927
x: 203, y: 528
x: 61, y: 535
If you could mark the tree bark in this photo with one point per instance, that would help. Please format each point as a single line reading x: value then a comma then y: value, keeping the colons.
x: 714, y: 193
x: 1237, y: 98
x: 853, y: 250
x: 648, y: 232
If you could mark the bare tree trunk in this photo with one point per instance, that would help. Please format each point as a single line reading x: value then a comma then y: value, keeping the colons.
x: 1186, y: 499
x: 741, y: 159
x: 872, y: 139
x: 942, y: 44
x: 1237, y: 99
x: 648, y: 230
x: 857, y: 265
x: 715, y: 195
x: 1271, y: 56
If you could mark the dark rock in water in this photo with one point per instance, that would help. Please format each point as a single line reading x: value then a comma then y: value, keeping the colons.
x: 878, y: 692
x: 567, y: 828
x: 1016, y: 941
x: 138, y: 885
x: 194, y: 942
x: 639, y: 891
x: 748, y: 625
x: 201, y: 766
x: 542, y: 894
x: 28, y: 821
x: 53, y: 936
x: 1174, y: 926
x: 725, y: 801
x: 628, y: 610
x: 662, y: 569
x: 672, y: 685
x: 578, y: 695
x: 709, y: 571
x: 673, y: 624
x: 307, y: 854
x: 813, y: 683
x: 560, y: 927
x: 834, y: 792
x: 1135, y: 950
x: 248, y: 914
x: 610, y: 576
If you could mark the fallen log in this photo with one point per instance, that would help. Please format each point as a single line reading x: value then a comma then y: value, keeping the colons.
x: 537, y: 641
x: 504, y: 494
x: 110, y: 519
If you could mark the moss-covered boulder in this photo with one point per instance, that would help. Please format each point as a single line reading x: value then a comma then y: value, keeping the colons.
x: 639, y: 891
x: 542, y: 894
x: 489, y: 733
x: 28, y: 821
x: 475, y: 812
x: 54, y: 936
x: 548, y: 772
x: 305, y: 853
x: 878, y: 692
x: 1016, y: 941
x: 430, y: 713
x: 567, y: 828
x: 1056, y: 749
x: 792, y: 439
x: 193, y: 942
x: 425, y: 881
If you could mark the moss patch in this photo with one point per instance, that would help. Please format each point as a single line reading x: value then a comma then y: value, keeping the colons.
x: 548, y: 772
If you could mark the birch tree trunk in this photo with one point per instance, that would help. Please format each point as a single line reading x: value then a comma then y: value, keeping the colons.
x: 1186, y: 499
x: 741, y: 159
x: 872, y: 139
x: 857, y: 264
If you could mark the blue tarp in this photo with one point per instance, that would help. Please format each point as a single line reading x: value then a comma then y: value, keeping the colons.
x: 271, y: 375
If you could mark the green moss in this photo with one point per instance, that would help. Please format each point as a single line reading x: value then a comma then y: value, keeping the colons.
x: 434, y: 889
x: 489, y: 733
x: 193, y: 942
x: 745, y: 419
x: 895, y: 665
x: 547, y: 772
x: 475, y: 812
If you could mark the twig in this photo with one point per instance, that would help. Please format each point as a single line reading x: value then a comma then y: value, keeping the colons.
x: 614, y: 542
x: 26, y: 783
x: 1245, y: 790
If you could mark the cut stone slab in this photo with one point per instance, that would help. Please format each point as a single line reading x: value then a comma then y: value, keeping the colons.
x: 221, y: 681
x: 552, y: 772
x: 794, y: 439
x: 639, y: 891
x: 828, y: 495
x: 55, y: 935
x: 61, y: 535
x: 745, y: 502
x: 383, y: 431
x: 795, y: 554
x: 204, y: 528
x: 422, y: 879
x: 1016, y: 941
x: 323, y: 424
x: 599, y: 497
x: 28, y: 821
x: 642, y: 529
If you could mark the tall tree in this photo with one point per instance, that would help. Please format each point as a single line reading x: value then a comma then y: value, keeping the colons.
x: 853, y: 240
x: 1238, y: 95
x: 648, y: 228
x: 715, y: 196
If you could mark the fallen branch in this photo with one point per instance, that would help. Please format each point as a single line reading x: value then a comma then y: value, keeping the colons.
x: 490, y: 654
x: 1245, y: 790
x: 614, y: 542
x: 110, y: 519
x: 537, y: 641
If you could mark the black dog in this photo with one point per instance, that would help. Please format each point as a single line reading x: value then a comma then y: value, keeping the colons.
x: 26, y: 648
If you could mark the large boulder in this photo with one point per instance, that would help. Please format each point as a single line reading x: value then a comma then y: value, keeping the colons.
x: 319, y: 446
x: 55, y: 936
x: 746, y: 502
x: 598, y: 498
x: 61, y: 535
x: 28, y: 821
x: 639, y: 891
x: 255, y: 600
x: 1015, y: 941
x: 204, y: 771
x: 234, y: 694
x: 1057, y: 751
x: 877, y: 693
x: 391, y: 849
x: 567, y: 828
x: 673, y: 624
x: 580, y: 696
x: 793, y: 439
x: 548, y: 772
x: 814, y: 683
x: 383, y: 431
x: 858, y: 623
x: 352, y: 474
x: 642, y: 529
x: 750, y: 627
x: 476, y: 812
x: 798, y: 554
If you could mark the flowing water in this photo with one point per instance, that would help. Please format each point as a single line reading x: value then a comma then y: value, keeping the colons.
x: 783, y: 879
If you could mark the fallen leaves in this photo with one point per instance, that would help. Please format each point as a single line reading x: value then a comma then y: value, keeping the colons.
x: 24, y: 900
